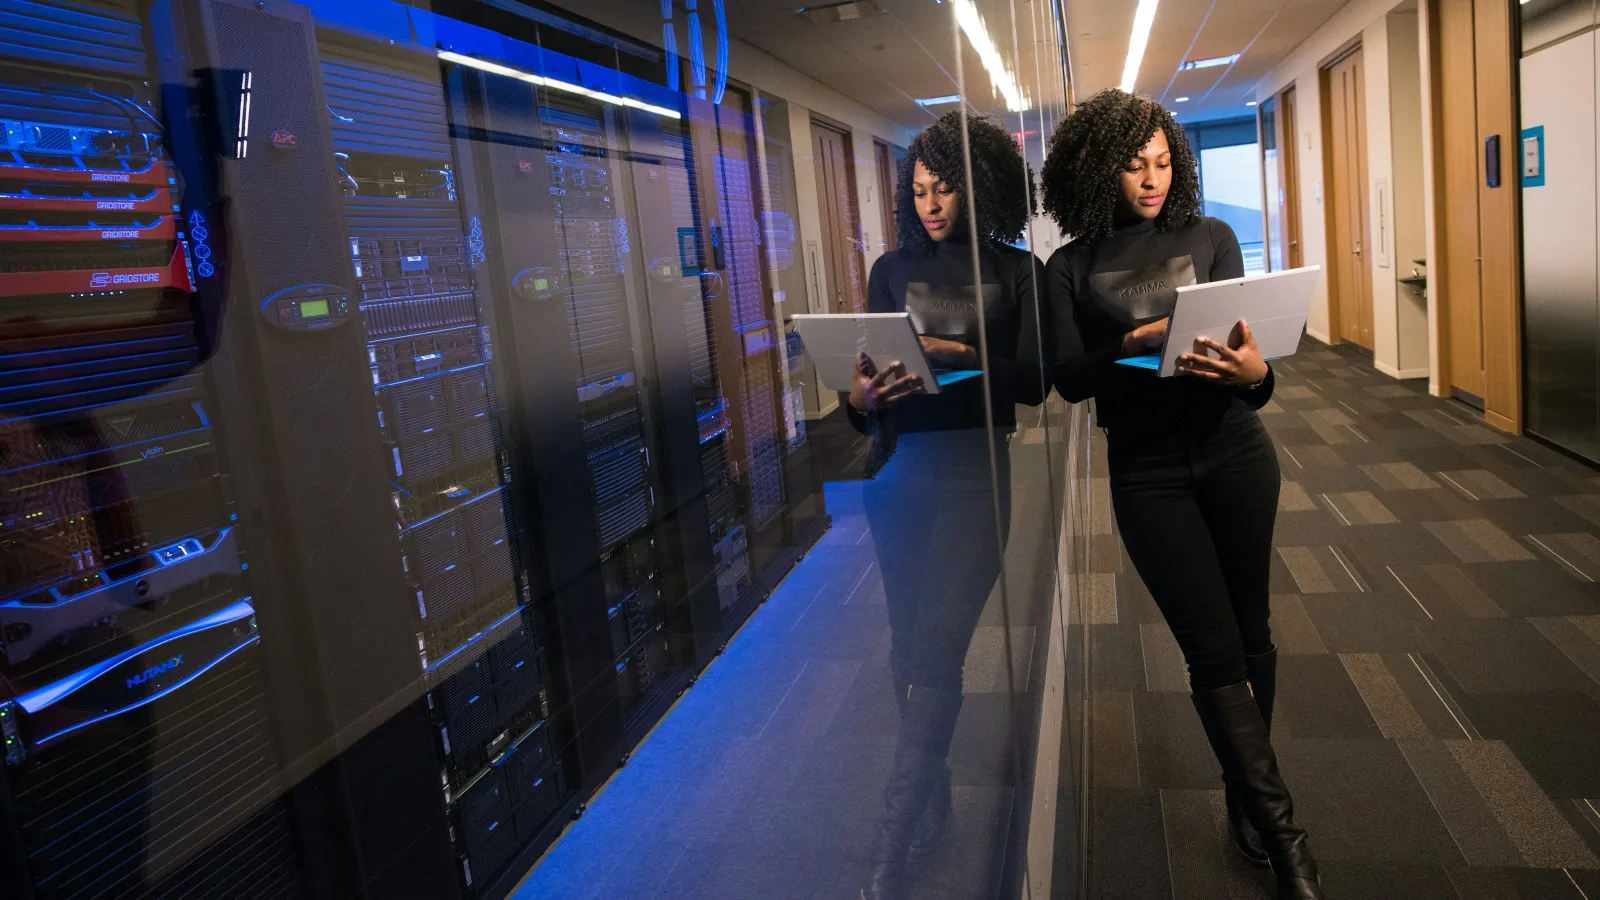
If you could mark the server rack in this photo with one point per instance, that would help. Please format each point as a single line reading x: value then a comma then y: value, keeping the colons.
x: 430, y: 345
x: 375, y: 269
x: 130, y: 655
x: 560, y: 249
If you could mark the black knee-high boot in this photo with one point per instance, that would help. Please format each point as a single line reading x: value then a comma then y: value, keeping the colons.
x: 1238, y: 736
x: 935, y: 817
x: 926, y: 727
x: 1262, y: 669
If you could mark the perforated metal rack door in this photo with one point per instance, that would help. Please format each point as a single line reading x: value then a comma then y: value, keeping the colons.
x: 389, y: 104
x: 328, y: 524
x: 586, y: 217
x: 101, y: 34
x: 173, y: 801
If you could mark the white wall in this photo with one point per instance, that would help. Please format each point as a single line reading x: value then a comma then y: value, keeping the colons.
x: 1380, y: 178
x: 1407, y: 151
x: 1364, y: 21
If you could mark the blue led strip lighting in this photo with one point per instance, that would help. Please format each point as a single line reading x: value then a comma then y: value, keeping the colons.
x: 50, y: 694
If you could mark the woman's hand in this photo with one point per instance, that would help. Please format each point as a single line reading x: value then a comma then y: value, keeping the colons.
x: 875, y: 390
x: 1145, y: 338
x: 949, y: 354
x: 1239, y: 364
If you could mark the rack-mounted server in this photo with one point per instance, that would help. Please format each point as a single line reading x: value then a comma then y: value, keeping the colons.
x: 138, y: 759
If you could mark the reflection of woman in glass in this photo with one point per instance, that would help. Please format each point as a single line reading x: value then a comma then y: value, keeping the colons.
x: 1194, y: 474
x: 937, y: 523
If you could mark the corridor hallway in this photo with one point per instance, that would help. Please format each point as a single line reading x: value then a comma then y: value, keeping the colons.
x: 1438, y: 713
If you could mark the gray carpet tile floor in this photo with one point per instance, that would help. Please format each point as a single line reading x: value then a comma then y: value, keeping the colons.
x: 1435, y: 602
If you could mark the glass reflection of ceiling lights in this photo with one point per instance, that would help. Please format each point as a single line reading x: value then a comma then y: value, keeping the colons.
x: 555, y: 84
x: 1001, y: 78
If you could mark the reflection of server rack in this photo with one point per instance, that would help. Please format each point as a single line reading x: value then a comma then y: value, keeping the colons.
x: 429, y: 348
x: 129, y: 657
x: 747, y: 343
x: 721, y: 479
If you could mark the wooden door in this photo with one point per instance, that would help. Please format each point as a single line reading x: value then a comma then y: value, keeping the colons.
x: 1289, y: 155
x: 1461, y: 258
x: 1349, y: 228
x: 888, y: 192
x: 845, y: 289
x: 1499, y: 314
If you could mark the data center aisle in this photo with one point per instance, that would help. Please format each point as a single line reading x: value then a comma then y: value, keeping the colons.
x: 767, y: 779
x: 1439, y: 701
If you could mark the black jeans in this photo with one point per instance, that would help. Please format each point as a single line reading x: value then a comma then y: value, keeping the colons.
x: 931, y: 510
x: 1196, y: 510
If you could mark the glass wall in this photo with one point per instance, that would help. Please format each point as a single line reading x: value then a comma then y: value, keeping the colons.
x: 1230, y: 182
x: 1561, y: 263
x: 419, y: 477
x: 1272, y: 191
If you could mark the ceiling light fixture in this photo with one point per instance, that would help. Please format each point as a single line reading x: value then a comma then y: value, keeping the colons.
x: 1211, y: 63
x: 1249, y: 103
x: 1181, y: 99
x: 1000, y: 78
x: 1143, y: 18
x: 840, y: 12
x: 486, y: 66
x: 937, y: 101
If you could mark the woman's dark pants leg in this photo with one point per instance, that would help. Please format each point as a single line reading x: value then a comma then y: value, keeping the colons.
x: 1196, y: 512
x: 932, y: 514
x: 1196, y: 515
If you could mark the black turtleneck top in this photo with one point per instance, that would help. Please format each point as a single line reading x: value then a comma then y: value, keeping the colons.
x: 1099, y: 292
x: 938, y: 290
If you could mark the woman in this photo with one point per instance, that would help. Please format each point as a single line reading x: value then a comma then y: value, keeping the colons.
x: 937, y: 523
x: 1194, y: 474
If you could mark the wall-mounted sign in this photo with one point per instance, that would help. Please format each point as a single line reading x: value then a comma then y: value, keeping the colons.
x: 1533, y: 156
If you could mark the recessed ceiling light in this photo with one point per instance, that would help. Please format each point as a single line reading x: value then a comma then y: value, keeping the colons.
x: 935, y: 101
x: 1143, y: 18
x: 1209, y: 63
x: 840, y: 12
x: 1249, y: 103
x: 1181, y: 99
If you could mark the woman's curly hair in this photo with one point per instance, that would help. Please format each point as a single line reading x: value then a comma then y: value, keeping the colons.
x: 1001, y: 192
x: 1088, y: 153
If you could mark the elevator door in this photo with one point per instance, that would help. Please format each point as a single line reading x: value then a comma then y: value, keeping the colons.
x: 845, y: 286
x: 1349, y: 233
